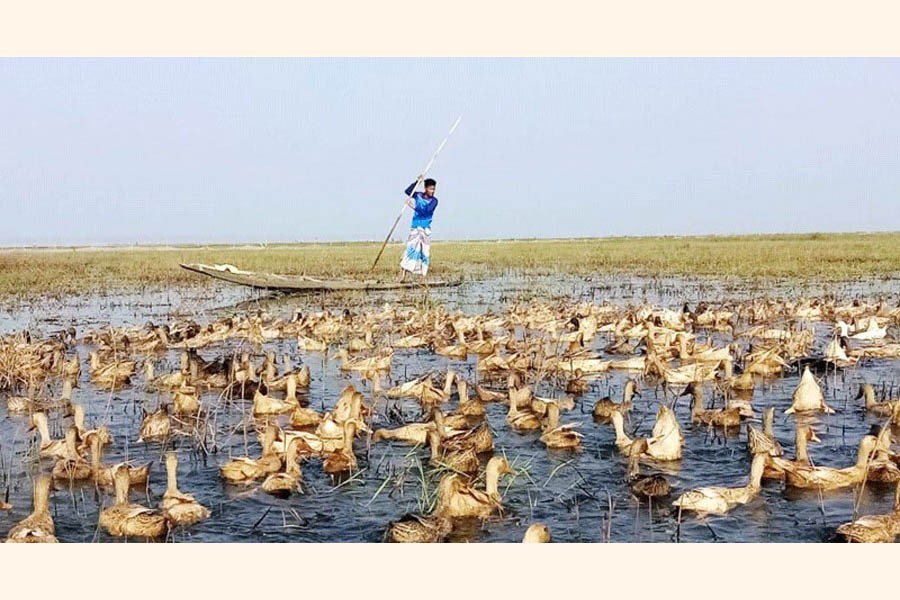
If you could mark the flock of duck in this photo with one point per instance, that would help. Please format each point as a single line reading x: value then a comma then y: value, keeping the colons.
x: 538, y: 358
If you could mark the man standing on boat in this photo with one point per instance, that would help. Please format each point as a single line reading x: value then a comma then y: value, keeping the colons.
x: 417, y: 254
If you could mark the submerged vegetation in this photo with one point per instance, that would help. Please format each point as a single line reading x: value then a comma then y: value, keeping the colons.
x: 826, y: 257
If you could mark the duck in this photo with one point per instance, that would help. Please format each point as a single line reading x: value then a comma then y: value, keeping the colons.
x: 38, y: 527
x: 112, y: 375
x: 488, y: 395
x: 667, y: 440
x: 461, y: 461
x: 881, y: 468
x: 268, y: 405
x: 808, y: 396
x: 417, y: 529
x: 883, y: 409
x: 432, y: 395
x: 457, y: 498
x: 125, y: 519
x: 720, y: 500
x: 303, y: 416
x: 764, y: 441
x: 624, y: 443
x: 522, y: 420
x: 186, y: 402
x: 411, y: 433
x: 874, y: 528
x: 578, y: 384
x: 410, y: 389
x: 177, y: 507
x: 645, y: 486
x: 73, y: 466
x: 155, y: 426
x: 776, y: 466
x: 468, y: 406
x: 342, y: 459
x: 604, y: 407
x: 478, y: 439
x: 84, y: 435
x: 22, y: 404
x: 375, y: 363
x: 556, y: 436
x: 284, y: 483
x: 246, y: 469
x: 309, y: 344
x: 872, y: 332
x: 723, y: 417
x: 166, y: 381
x: 49, y: 447
x: 537, y: 533
x: 105, y: 476
x: 828, y: 478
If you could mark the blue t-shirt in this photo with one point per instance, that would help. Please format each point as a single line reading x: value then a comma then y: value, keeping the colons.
x: 424, y: 207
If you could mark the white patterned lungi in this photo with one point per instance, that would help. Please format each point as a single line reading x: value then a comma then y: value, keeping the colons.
x: 417, y: 254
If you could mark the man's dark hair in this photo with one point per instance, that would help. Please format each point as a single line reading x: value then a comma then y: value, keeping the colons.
x: 430, y: 182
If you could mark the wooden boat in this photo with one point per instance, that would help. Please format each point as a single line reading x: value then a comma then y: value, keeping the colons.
x: 302, y: 283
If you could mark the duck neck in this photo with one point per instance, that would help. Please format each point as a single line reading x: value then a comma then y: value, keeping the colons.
x: 42, y: 495
x: 634, y: 465
x: 268, y: 441
x: 769, y: 423
x: 44, y: 430
x: 697, y: 397
x: 349, y: 433
x: 869, y: 394
x: 552, y: 416
x: 79, y: 419
x: 122, y: 484
x: 492, y: 480
x: 802, y: 455
x: 434, y: 440
x: 628, y: 393
x: 619, y: 424
x: 756, y: 471
x: 729, y: 368
x: 513, y: 408
x: 463, y: 388
x: 171, y: 476
x: 448, y: 383
x: 865, y: 452
x: 71, y: 448
x: 291, y: 394
x: 67, y: 389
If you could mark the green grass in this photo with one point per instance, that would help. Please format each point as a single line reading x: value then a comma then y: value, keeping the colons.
x: 824, y: 257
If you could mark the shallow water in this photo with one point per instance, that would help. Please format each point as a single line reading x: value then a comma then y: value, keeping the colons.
x: 581, y: 496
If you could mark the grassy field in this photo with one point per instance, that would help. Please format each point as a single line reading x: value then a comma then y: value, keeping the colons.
x: 825, y: 257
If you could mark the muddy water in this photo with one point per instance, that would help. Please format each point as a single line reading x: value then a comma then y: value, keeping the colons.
x: 582, y: 496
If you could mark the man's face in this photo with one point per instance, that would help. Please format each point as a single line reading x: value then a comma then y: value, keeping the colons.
x: 429, y: 191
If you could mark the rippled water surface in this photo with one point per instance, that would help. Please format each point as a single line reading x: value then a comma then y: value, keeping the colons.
x: 582, y: 496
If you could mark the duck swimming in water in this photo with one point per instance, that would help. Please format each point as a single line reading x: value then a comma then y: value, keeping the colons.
x: 457, y: 498
x: 38, y: 527
x: 177, y: 507
x: 828, y: 478
x: 537, y: 533
x: 720, y: 500
x: 604, y: 407
x: 808, y: 396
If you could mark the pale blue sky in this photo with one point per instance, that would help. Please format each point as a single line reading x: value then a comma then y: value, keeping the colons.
x: 240, y: 150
